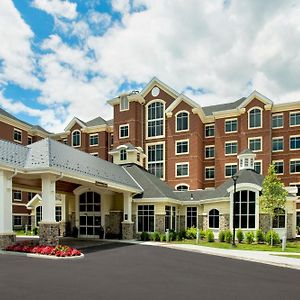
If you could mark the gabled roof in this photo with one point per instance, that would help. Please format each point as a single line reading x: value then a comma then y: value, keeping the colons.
x: 153, y: 187
x: 179, y: 99
x: 127, y: 146
x: 257, y: 95
x: 98, y: 121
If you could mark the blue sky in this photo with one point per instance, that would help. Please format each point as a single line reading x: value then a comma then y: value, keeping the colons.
x: 60, y: 59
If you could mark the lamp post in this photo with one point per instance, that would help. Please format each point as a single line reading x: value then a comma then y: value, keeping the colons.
x: 234, y: 178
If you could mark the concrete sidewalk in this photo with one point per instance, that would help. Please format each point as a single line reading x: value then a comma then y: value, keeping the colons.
x: 264, y: 257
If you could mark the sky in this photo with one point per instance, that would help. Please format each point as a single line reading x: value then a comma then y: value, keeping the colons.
x: 60, y: 59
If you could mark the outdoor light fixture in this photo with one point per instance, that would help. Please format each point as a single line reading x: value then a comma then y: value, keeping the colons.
x: 102, y: 184
x: 192, y: 197
x: 234, y: 178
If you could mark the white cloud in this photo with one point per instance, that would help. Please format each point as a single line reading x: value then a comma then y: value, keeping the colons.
x: 121, y: 6
x: 57, y: 8
x: 16, y: 56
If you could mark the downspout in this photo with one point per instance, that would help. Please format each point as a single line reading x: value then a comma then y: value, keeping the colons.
x: 14, y: 174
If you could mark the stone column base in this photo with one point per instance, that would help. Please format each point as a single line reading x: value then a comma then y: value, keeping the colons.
x: 7, y: 239
x: 49, y: 233
x: 127, y: 230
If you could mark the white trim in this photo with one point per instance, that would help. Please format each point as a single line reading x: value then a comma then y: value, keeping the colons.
x: 209, y: 167
x: 188, y: 147
x: 293, y: 136
x: 278, y: 138
x: 231, y: 119
x: 258, y: 96
x: 17, y: 191
x: 188, y: 121
x: 256, y: 138
x: 231, y: 142
x: 93, y: 134
x: 182, y: 184
x: 180, y: 164
x: 210, y: 146
x: 229, y: 164
x: 207, y: 125
x: 261, y: 117
x: 274, y: 115
x: 96, y: 154
x: 146, y: 119
x: 76, y: 130
x: 279, y: 160
x: 164, y: 156
x: 293, y: 112
x: 73, y: 122
x: 20, y: 131
x: 137, y: 215
x: 120, y: 127
x: 261, y: 165
x: 296, y: 159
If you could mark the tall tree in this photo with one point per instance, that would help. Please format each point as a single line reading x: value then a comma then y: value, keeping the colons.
x: 273, y: 195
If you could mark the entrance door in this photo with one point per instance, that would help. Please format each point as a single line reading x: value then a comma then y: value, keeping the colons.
x: 89, y: 214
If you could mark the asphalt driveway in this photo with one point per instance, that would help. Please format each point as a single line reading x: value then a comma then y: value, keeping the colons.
x: 123, y: 271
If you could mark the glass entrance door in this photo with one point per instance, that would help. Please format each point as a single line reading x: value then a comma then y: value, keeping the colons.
x: 89, y: 214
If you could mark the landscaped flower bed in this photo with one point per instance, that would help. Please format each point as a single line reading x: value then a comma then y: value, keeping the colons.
x: 58, y: 251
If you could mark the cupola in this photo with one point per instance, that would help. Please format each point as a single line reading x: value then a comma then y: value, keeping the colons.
x: 246, y: 159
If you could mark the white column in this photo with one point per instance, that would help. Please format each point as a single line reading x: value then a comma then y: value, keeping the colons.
x: 48, y: 198
x: 5, y: 202
x: 127, y: 207
x: 64, y: 210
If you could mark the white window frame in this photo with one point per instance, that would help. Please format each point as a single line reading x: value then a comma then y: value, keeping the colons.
x: 296, y: 159
x: 188, y: 147
x: 291, y: 113
x: 76, y: 130
x: 230, y: 164
x: 278, y: 138
x: 96, y: 154
x: 16, y: 199
x: 182, y: 184
x: 188, y: 121
x: 125, y: 155
x: 228, y: 120
x: 256, y: 138
x: 275, y: 115
x: 261, y: 117
x: 20, y: 131
x: 293, y: 136
x: 159, y: 161
x: 282, y: 161
x: 127, y: 106
x: 210, y: 146
x: 208, y: 125
x: 237, y: 148
x: 209, y: 167
x: 29, y: 137
x: 164, y: 120
x: 93, y: 134
x: 261, y: 165
x: 181, y: 164
x: 120, y: 129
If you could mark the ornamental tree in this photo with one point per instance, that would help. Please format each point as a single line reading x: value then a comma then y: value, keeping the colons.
x: 273, y: 195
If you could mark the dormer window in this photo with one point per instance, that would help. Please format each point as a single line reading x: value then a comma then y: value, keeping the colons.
x: 124, y: 103
x: 76, y: 138
x: 255, y: 118
x: 182, y: 121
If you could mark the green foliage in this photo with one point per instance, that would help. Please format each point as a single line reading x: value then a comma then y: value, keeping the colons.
x: 172, y: 235
x: 162, y: 237
x: 210, y: 236
x: 191, y: 233
x: 228, y: 236
x: 260, y: 236
x: 249, y: 237
x: 240, y: 235
x: 202, y: 234
x: 273, y: 193
x: 222, y: 236
x: 272, y: 235
x: 181, y: 235
x: 144, y: 236
x: 154, y: 236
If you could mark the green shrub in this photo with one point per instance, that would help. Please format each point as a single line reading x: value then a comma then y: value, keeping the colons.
x: 144, y: 236
x: 240, y: 235
x: 162, y: 237
x: 210, y: 237
x: 202, y: 234
x: 191, y: 233
x: 260, y: 236
x: 221, y: 236
x: 275, y: 235
x: 154, y: 236
x: 181, y: 235
x: 228, y: 236
x: 249, y: 237
x: 172, y: 235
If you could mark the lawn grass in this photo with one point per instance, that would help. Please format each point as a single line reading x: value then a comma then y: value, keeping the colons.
x: 290, y: 247
x: 288, y: 255
x: 22, y: 233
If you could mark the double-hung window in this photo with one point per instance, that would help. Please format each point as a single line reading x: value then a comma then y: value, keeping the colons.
x: 155, y: 126
x: 182, y: 121
x: 210, y: 130
x: 182, y: 147
x: 182, y: 169
x: 17, y: 135
x: 94, y: 139
x: 295, y: 166
x: 277, y: 121
x: 255, y: 144
x: 231, y: 148
x: 295, y: 118
x: 277, y: 144
x: 295, y: 142
x: 231, y: 125
x: 230, y: 170
x: 156, y: 159
x: 210, y: 151
x: 279, y: 166
x: 255, y: 118
x: 124, y: 131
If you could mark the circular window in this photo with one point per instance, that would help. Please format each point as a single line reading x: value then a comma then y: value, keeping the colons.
x: 155, y: 91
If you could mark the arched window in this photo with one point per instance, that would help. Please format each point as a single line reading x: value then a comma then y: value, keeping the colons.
x: 255, y: 118
x: 279, y: 218
x: 182, y: 187
x: 155, y: 119
x: 76, y: 138
x: 38, y: 215
x: 182, y: 121
x: 213, y: 218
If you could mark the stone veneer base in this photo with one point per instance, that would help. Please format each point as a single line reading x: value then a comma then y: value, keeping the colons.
x: 7, y: 239
x: 127, y: 230
x: 49, y: 233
